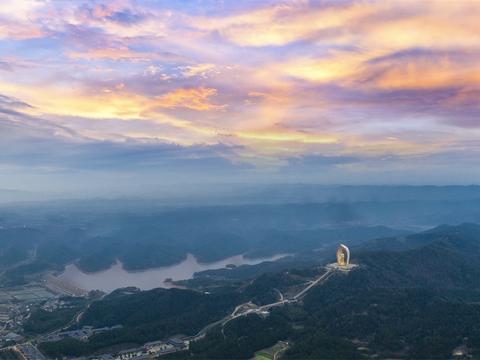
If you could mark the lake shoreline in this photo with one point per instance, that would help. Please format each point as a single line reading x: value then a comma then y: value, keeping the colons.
x: 118, y: 277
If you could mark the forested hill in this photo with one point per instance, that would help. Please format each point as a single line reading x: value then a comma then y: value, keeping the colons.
x: 464, y: 235
x: 420, y: 302
x: 444, y: 257
x: 154, y: 241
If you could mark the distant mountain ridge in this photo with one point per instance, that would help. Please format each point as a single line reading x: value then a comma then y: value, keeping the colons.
x: 7, y: 195
x: 240, y: 194
x: 466, y: 232
x: 443, y: 257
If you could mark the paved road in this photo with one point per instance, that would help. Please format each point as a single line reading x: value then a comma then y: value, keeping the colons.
x: 280, y: 295
x: 75, y: 320
x: 320, y: 279
x: 236, y: 314
x: 28, y: 351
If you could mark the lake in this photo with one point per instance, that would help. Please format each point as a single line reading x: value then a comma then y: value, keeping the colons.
x: 117, y: 277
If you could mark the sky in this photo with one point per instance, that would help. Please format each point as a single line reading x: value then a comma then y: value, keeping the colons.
x: 130, y: 95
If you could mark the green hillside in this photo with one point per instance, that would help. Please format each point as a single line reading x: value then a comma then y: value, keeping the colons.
x: 420, y: 302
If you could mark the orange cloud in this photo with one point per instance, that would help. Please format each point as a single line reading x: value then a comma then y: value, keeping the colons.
x: 433, y: 24
x: 119, y: 105
x: 337, y: 66
x: 190, y: 98
x: 388, y: 24
x: 282, y: 24
x: 198, y: 70
x: 285, y: 135
x: 279, y: 95
x: 388, y: 146
x: 418, y: 73
x: 369, y: 70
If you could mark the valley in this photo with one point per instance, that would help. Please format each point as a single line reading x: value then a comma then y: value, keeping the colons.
x: 253, y: 301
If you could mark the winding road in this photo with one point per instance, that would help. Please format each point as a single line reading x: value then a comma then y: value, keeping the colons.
x: 237, y: 312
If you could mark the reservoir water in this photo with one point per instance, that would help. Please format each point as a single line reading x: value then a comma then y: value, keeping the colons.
x: 117, y: 277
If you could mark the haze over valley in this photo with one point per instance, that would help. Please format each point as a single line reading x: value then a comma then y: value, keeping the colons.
x: 228, y: 268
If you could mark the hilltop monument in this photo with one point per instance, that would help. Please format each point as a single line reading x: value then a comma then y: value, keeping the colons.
x: 343, y: 261
x: 343, y: 256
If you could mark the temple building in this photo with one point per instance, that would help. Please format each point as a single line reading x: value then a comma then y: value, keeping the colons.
x: 343, y: 256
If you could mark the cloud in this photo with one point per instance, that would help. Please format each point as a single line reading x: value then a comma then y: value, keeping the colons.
x: 373, y: 24
x: 6, y: 65
x: 286, y: 135
x: 279, y: 81
x: 424, y: 70
x: 60, y: 154
x: 119, y: 53
x: 190, y: 98
x: 15, y: 20
x: 198, y: 70
x: 283, y: 23
x: 93, y: 43
x: 314, y: 162
x: 126, y: 17
x: 19, y: 31
x: 12, y: 103
x: 30, y: 142
x: 338, y: 66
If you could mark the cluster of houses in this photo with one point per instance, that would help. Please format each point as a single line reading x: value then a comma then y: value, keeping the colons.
x: 80, y: 334
x: 152, y: 349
